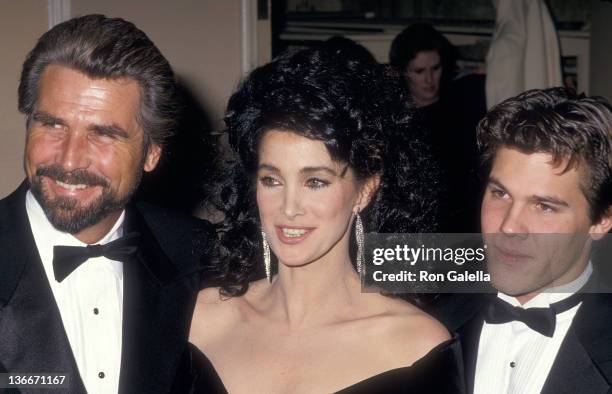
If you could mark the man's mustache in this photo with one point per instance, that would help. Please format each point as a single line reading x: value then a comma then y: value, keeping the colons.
x: 82, y: 177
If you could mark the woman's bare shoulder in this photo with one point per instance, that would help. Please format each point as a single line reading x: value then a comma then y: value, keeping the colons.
x: 212, y: 314
x: 409, y: 333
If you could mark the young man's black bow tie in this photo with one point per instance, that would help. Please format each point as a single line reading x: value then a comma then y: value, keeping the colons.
x: 542, y: 320
x: 68, y: 258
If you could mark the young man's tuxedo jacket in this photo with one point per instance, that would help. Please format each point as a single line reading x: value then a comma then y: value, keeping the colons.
x: 160, y: 285
x: 584, y: 361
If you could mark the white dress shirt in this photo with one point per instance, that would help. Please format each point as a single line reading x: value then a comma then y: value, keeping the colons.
x: 90, y: 302
x: 513, y: 358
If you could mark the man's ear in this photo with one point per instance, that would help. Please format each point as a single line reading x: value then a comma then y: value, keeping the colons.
x: 599, y: 229
x: 153, y: 155
x: 367, y: 191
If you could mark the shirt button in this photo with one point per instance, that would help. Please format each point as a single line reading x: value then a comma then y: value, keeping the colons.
x: 512, y: 364
x: 96, y: 311
x: 101, y: 375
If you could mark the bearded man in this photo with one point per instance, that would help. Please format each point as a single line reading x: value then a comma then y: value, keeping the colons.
x: 92, y: 287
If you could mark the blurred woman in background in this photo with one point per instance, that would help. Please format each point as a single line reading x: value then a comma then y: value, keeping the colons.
x: 426, y: 60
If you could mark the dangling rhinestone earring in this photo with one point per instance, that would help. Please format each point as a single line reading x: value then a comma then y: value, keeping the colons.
x: 266, y: 256
x: 359, y: 236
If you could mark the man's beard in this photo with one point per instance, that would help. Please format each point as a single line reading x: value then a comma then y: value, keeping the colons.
x: 65, y: 213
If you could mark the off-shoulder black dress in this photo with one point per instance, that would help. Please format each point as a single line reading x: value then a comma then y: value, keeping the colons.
x: 438, y: 372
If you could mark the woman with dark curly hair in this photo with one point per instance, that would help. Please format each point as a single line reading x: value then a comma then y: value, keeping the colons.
x: 316, y: 136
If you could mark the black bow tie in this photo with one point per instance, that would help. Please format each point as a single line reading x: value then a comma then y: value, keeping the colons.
x: 68, y: 258
x: 542, y: 320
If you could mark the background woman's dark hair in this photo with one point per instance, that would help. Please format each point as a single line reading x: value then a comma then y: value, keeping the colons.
x: 360, y: 115
x: 421, y: 37
x: 102, y: 47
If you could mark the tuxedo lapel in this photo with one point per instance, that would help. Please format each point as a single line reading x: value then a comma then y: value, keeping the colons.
x: 32, y: 333
x: 573, y: 370
x: 158, y: 303
x: 584, y: 361
x: 470, y: 338
x: 16, y: 240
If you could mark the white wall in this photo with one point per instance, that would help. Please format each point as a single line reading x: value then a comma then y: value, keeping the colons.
x: 201, y: 39
x: 21, y: 23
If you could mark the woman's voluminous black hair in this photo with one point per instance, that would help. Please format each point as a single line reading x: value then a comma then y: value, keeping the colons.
x: 358, y: 112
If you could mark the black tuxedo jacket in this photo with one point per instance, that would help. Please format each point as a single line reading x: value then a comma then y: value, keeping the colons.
x: 160, y: 288
x: 584, y: 361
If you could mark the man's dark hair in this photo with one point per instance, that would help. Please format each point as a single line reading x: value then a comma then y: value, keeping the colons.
x: 102, y: 47
x: 574, y: 129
